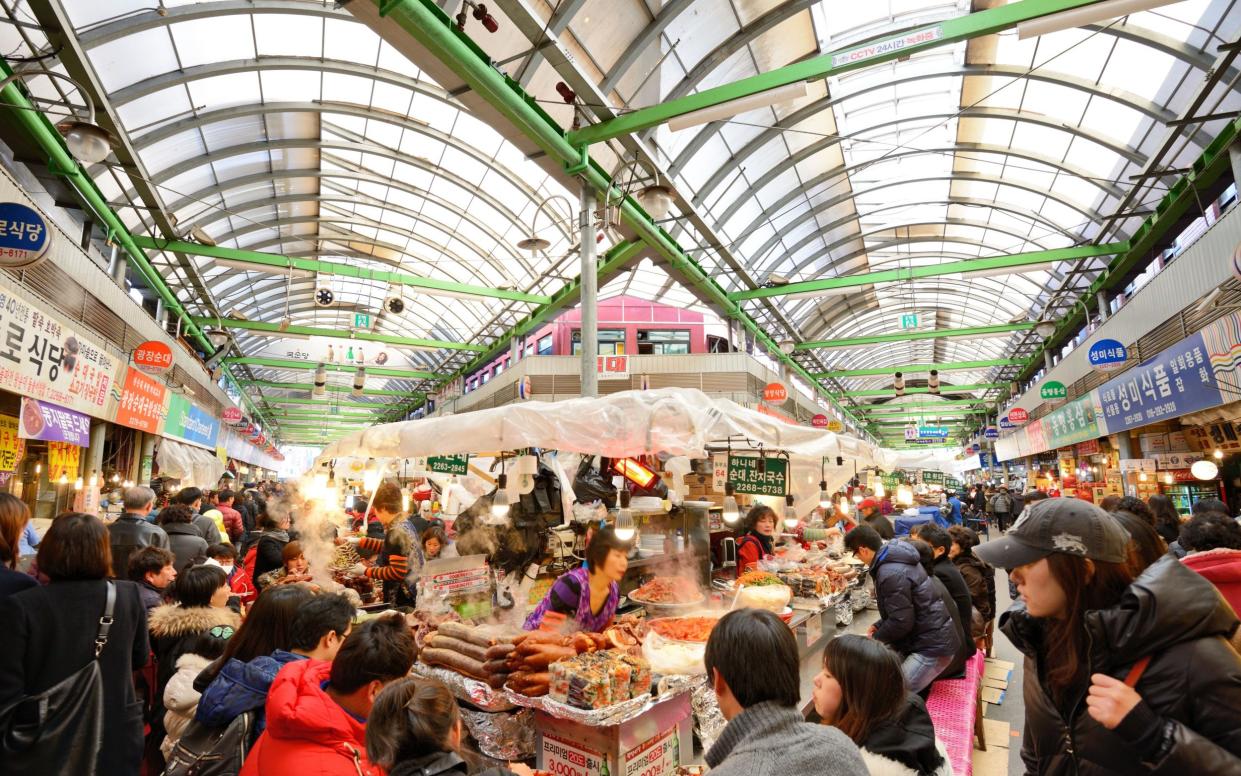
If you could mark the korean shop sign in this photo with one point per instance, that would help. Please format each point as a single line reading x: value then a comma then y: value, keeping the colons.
x: 153, y: 357
x: 188, y: 422
x: 1107, y: 355
x: 1052, y: 389
x: 743, y: 473
x: 449, y: 464
x: 12, y: 447
x: 41, y: 420
x: 932, y: 478
x: 44, y: 357
x: 1075, y: 422
x: 142, y: 402
x: 24, y: 237
x: 1178, y: 381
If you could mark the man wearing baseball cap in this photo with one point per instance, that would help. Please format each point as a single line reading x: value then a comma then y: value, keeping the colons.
x: 1127, y: 671
x: 872, y: 516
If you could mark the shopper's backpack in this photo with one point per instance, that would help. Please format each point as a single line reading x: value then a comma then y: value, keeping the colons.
x: 203, y: 750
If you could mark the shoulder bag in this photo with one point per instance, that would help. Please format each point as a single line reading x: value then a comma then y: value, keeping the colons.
x: 60, y: 730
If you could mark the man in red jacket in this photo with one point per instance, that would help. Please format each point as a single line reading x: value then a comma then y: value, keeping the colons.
x: 232, y: 518
x: 316, y: 711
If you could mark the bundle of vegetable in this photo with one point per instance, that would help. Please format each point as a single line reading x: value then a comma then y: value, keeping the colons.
x: 758, y: 579
x: 477, y: 651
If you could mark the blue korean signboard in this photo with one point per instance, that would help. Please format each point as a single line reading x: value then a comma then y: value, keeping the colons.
x: 24, y: 238
x: 1006, y: 423
x: 991, y: 433
x: 1107, y: 355
x: 1176, y: 382
x: 926, y: 432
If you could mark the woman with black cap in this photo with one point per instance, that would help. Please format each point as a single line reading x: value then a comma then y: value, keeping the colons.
x: 1122, y: 675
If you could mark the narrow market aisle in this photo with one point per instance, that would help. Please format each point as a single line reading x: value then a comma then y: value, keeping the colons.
x: 1012, y: 710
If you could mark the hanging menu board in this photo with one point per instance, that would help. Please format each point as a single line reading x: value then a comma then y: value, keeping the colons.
x: 744, y: 474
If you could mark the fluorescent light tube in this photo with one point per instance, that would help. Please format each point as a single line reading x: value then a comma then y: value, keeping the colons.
x: 1005, y: 271
x: 727, y: 110
x: 841, y: 291
x: 1079, y: 17
x: 252, y: 267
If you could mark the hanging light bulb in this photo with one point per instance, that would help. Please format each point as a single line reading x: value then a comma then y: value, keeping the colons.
x: 1168, y: 478
x: 904, y: 495
x: 857, y: 497
x: 77, y: 484
x: 790, y: 512
x: 405, y: 501
x: 38, y: 468
x: 370, y: 478
x: 64, y: 479
x: 825, y: 498
x: 1142, y: 477
x: 94, y: 480
x: 624, y: 528
x: 732, y: 512
x: 500, y: 504
x: 846, y: 506
x: 116, y: 478
x: 1219, y: 454
x: 879, y: 489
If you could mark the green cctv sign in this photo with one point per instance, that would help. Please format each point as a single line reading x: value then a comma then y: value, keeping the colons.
x: 1053, y: 389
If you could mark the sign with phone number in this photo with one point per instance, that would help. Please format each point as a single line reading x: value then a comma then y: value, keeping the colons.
x: 743, y: 473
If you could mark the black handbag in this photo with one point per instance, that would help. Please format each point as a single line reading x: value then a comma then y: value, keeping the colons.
x: 60, y: 730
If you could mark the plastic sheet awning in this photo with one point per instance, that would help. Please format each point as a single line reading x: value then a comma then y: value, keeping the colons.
x: 191, y: 465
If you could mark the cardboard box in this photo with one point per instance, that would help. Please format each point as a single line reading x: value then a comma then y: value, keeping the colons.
x: 655, y: 743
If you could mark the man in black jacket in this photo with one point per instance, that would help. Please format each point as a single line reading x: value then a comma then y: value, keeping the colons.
x: 912, y: 618
x: 131, y: 531
x: 946, y: 572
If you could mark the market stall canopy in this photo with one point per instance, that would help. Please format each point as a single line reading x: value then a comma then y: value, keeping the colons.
x: 674, y: 421
x: 191, y: 465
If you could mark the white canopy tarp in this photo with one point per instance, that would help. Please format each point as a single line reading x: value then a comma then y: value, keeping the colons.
x: 191, y: 465
x: 674, y: 421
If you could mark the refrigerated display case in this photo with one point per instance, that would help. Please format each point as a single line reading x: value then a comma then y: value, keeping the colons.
x: 1185, y: 495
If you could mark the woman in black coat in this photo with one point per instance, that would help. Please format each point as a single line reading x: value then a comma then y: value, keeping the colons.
x: 270, y: 553
x: 1123, y: 675
x: 49, y: 633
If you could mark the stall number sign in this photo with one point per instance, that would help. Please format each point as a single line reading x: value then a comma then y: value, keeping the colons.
x: 613, y: 367
x: 1052, y: 389
x: 449, y: 464
x: 743, y: 473
x: 565, y: 758
x: 24, y: 238
x: 656, y: 757
x: 719, y: 472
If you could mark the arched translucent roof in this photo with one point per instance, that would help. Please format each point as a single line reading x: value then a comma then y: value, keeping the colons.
x: 289, y: 127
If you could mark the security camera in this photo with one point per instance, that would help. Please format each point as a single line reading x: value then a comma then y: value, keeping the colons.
x: 394, y: 305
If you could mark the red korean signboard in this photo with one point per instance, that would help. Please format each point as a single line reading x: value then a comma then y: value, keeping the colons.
x: 231, y: 415
x: 819, y: 421
x: 775, y: 392
x: 1018, y: 415
x: 142, y: 402
x: 153, y: 357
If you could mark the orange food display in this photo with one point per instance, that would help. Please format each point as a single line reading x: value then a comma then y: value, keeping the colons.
x: 668, y: 590
x: 685, y: 628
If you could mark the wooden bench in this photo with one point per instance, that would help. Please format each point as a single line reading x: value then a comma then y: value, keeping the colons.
x: 955, y: 706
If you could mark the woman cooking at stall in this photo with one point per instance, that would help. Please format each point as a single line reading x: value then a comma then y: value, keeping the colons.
x: 587, y: 596
x: 756, y: 540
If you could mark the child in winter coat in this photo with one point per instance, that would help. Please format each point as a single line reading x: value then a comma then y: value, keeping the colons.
x: 180, y: 697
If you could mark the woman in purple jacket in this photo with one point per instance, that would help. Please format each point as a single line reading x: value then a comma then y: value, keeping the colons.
x: 587, y: 596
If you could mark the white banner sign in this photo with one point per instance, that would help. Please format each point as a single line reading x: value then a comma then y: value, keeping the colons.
x: 330, y: 350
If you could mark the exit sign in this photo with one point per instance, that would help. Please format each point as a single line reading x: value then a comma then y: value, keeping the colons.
x: 909, y: 321
x: 361, y: 320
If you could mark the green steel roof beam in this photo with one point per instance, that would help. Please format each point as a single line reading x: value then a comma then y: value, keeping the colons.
x: 291, y: 363
x: 434, y: 30
x: 991, y: 265
x: 879, y: 339
x: 942, y: 389
x: 906, y: 369
x: 312, y: 331
x: 330, y: 388
x: 278, y: 264
x: 884, y: 48
x: 933, y: 405
x: 306, y: 415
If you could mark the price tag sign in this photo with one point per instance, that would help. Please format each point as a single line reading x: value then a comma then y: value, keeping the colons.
x: 568, y: 758
x: 658, y: 756
x: 814, y: 629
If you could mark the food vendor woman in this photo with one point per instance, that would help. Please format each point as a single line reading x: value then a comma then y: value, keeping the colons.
x: 587, y: 596
x: 758, y: 534
x: 400, y: 551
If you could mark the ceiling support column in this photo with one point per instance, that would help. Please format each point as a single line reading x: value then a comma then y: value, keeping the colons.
x: 590, y: 293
